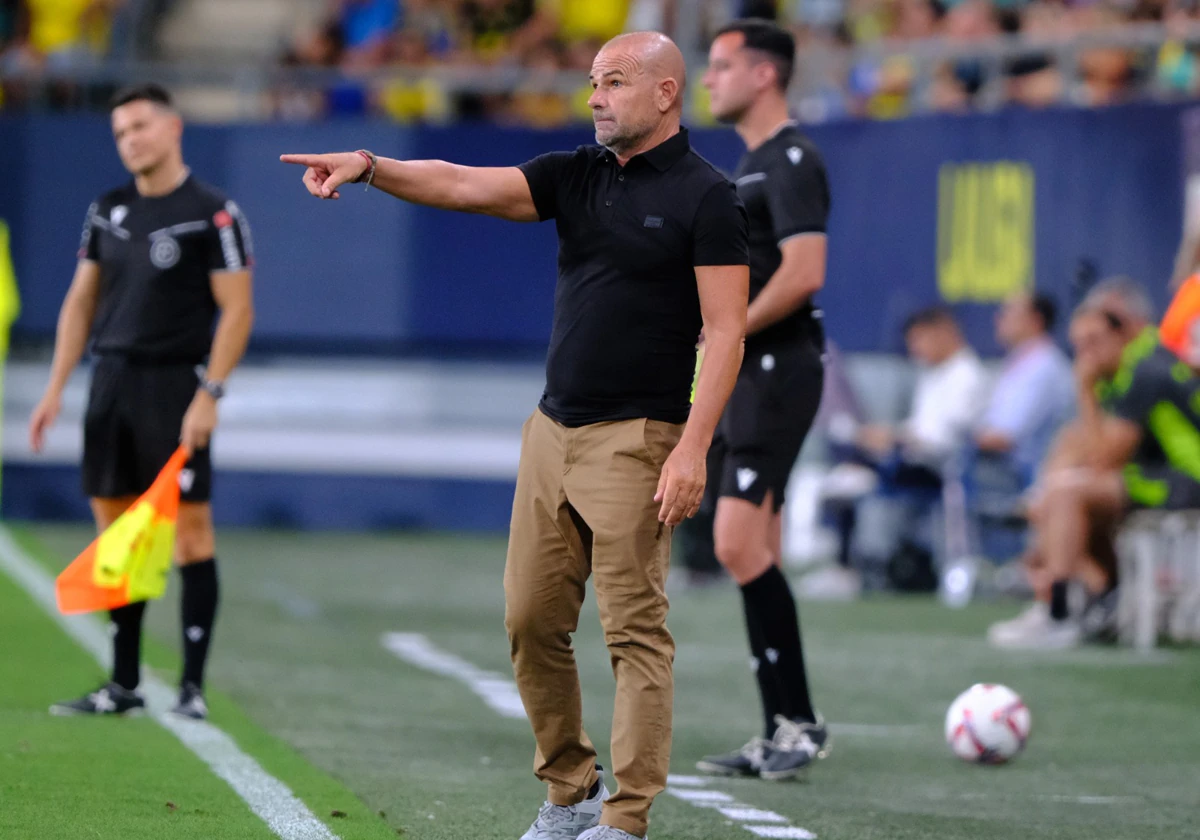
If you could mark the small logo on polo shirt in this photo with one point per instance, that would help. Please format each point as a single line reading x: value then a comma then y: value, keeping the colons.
x: 746, y: 478
x: 654, y: 221
x: 794, y: 154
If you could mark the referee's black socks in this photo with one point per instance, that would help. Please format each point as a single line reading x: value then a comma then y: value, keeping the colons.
x: 127, y: 644
x: 771, y: 617
x: 198, y: 612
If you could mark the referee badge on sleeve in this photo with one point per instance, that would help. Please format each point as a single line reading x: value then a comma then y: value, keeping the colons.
x: 164, y: 251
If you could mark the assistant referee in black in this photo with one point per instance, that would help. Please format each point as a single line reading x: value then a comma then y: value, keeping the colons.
x: 652, y: 246
x: 782, y: 181
x: 161, y: 258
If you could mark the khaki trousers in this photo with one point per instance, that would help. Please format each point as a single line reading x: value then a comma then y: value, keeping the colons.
x: 584, y: 505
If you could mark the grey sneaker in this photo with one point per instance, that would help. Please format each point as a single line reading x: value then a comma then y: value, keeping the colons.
x: 607, y: 832
x: 567, y: 822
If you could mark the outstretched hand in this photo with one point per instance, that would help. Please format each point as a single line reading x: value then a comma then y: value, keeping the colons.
x: 325, y: 173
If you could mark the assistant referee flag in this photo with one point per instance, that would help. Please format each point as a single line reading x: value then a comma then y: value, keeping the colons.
x: 129, y: 562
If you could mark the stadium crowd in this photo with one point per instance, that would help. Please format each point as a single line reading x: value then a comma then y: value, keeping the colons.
x: 848, y: 78
x: 879, y: 59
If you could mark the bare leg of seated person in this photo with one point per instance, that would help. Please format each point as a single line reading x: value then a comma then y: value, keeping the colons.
x: 1061, y: 552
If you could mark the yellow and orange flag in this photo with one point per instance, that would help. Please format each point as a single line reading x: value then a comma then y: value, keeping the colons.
x: 129, y: 562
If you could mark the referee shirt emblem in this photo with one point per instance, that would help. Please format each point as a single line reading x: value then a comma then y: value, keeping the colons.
x: 653, y: 222
x: 164, y: 251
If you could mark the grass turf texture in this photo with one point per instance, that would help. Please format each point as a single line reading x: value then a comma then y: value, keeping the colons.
x: 297, y: 649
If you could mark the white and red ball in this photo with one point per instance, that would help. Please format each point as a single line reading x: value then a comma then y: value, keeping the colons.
x: 987, y: 724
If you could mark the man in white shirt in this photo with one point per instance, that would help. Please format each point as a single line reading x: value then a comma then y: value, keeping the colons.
x: 1034, y: 393
x: 949, y: 392
x: 907, y: 459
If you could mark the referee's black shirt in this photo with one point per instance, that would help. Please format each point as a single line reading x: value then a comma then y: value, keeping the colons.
x: 786, y: 191
x: 626, y: 308
x: 156, y: 255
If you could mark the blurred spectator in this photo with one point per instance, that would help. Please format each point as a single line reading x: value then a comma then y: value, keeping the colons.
x: 1033, y: 79
x: 1105, y: 72
x: 1032, y: 396
x: 434, y: 22
x: 496, y: 30
x: 1119, y: 455
x: 408, y: 99
x: 69, y: 31
x: 956, y: 83
x: 323, y: 49
x: 536, y: 103
x: 1176, y: 66
x: 367, y: 27
x: 946, y: 399
x: 593, y: 21
x: 905, y: 463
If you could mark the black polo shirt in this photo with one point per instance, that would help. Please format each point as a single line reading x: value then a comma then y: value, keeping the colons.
x: 626, y: 308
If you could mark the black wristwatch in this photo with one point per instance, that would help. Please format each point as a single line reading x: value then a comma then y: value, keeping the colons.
x: 216, y: 390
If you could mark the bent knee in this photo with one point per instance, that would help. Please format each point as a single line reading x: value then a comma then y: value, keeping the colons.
x: 743, y: 560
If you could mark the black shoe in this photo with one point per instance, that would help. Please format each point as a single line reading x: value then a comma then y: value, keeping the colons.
x: 1099, y: 618
x: 792, y: 750
x: 111, y: 699
x: 191, y: 703
x: 818, y: 733
x: 747, y: 761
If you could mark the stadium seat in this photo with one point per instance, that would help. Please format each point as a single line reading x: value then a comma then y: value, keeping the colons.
x: 1159, y: 555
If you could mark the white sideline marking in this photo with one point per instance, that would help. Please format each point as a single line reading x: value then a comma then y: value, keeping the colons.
x: 687, y: 781
x: 756, y: 815
x: 500, y: 693
x: 695, y: 796
x: 785, y: 832
x: 875, y: 730
x: 1074, y: 799
x: 266, y: 796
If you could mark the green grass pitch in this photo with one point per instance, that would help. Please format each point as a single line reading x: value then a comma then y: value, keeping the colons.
x: 302, y: 683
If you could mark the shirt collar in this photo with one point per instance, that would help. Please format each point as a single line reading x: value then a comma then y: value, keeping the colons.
x: 1135, y: 351
x: 667, y: 153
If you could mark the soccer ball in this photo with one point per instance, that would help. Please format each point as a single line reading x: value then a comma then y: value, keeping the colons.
x: 987, y: 724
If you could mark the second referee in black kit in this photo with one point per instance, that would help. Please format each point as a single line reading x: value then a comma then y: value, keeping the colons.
x: 160, y: 258
x: 781, y: 179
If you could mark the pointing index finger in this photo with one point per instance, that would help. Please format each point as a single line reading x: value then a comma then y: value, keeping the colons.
x: 302, y: 160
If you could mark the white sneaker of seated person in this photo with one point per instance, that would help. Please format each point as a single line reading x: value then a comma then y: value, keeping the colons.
x: 1034, y: 629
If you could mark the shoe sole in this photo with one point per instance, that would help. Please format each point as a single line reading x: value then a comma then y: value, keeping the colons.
x: 64, y: 711
x: 721, y: 770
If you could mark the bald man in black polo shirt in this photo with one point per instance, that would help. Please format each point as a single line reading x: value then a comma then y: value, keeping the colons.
x: 652, y: 246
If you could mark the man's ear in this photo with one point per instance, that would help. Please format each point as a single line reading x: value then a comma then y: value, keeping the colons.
x: 668, y: 93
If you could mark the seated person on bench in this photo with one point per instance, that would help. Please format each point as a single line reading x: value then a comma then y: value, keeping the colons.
x: 1136, y: 444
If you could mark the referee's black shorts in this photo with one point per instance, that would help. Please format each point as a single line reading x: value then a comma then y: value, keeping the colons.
x: 131, y: 427
x: 764, y: 425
